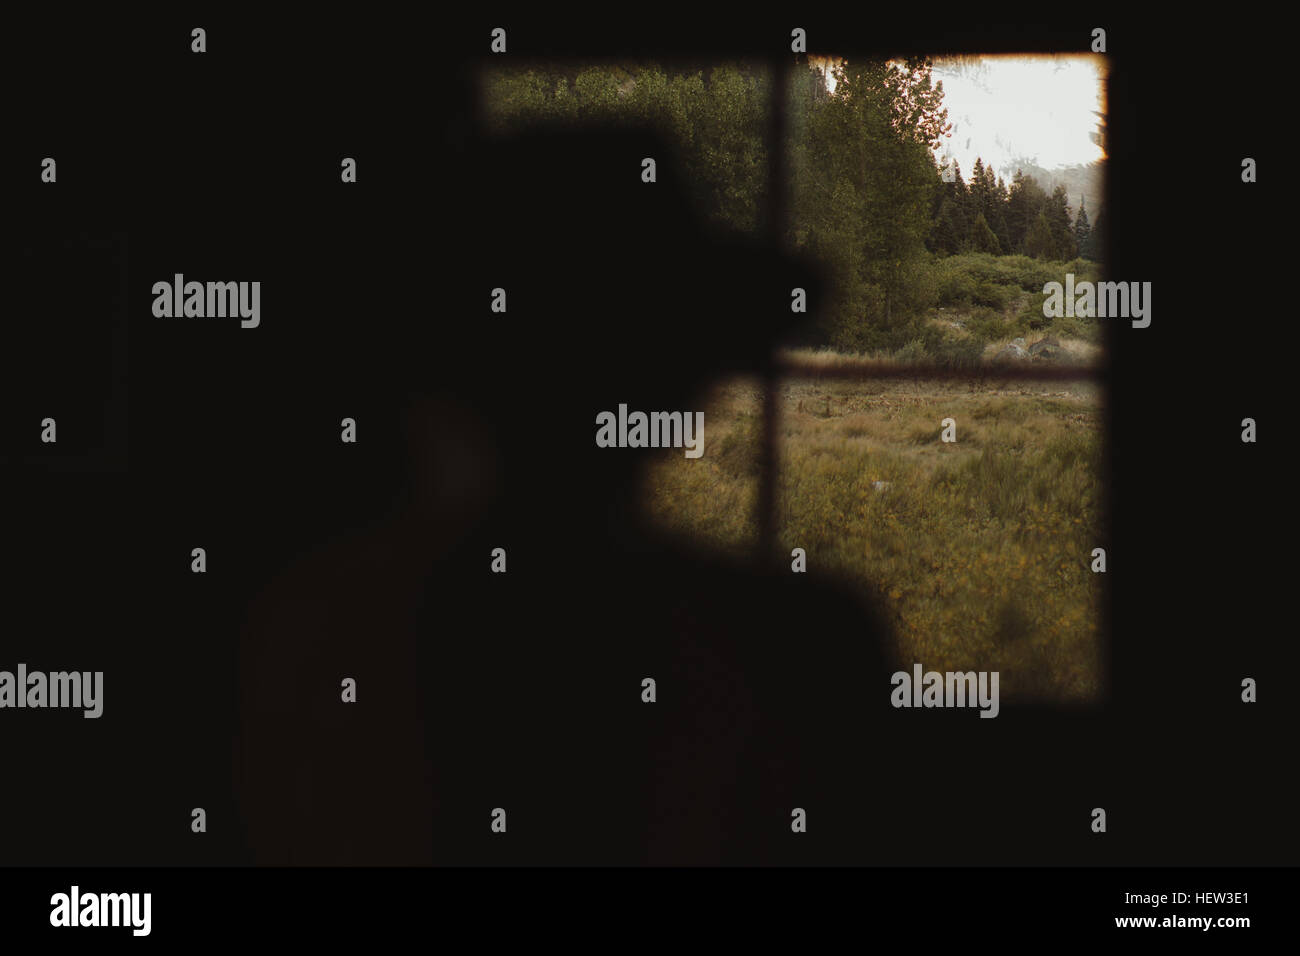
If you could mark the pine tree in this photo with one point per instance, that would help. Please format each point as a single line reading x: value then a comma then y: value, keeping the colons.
x: 1083, y: 231
x: 991, y: 194
x: 959, y: 196
x: 947, y: 237
x: 982, y: 238
x: 1039, y: 242
x: 1097, y: 237
x: 950, y: 231
x: 864, y: 182
x: 997, y: 218
x: 1024, y: 202
x: 1057, y: 212
x: 981, y: 191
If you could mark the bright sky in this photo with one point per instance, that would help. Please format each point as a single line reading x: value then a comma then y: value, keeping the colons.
x: 1005, y: 108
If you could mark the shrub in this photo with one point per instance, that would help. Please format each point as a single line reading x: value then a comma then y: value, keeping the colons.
x: 959, y: 353
x: 985, y: 324
x: 991, y: 294
x: 913, y: 351
x: 954, y: 286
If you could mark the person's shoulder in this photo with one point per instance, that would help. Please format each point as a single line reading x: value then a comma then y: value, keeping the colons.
x: 800, y: 628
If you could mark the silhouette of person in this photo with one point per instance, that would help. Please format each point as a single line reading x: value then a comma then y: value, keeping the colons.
x: 524, y: 691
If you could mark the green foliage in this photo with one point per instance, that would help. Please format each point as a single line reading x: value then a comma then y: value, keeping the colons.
x: 995, y: 281
x: 1039, y: 241
x: 1012, y: 214
x: 1029, y: 274
x: 986, y: 325
x: 1082, y: 269
x: 718, y: 124
x: 864, y: 184
x: 865, y: 196
x: 982, y: 238
x: 956, y: 285
x: 962, y: 353
x: 1083, y: 233
x: 1057, y: 213
x: 914, y: 351
x: 1031, y: 314
x: 992, y: 295
x: 1097, y: 238
x: 1024, y: 202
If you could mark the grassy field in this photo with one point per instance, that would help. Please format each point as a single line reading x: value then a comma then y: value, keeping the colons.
x: 980, y: 549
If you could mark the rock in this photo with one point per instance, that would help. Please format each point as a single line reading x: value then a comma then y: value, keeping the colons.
x: 1010, y: 353
x: 1018, y: 342
x: 880, y: 485
x: 1046, y: 348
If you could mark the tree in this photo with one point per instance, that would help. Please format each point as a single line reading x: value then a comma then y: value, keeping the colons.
x: 958, y: 194
x: 865, y: 197
x: 988, y: 199
x: 998, y: 223
x: 1024, y: 201
x: 1039, y: 242
x: 865, y: 184
x: 982, y: 238
x: 950, y: 233
x: 1097, y: 237
x: 1083, y: 232
x: 981, y: 190
x: 718, y: 123
x: 1057, y: 211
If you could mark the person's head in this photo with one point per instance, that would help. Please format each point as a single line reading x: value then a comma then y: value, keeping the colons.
x: 579, y: 287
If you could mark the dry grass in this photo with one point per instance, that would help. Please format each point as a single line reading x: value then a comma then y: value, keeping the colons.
x: 980, y: 548
x: 1076, y: 351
